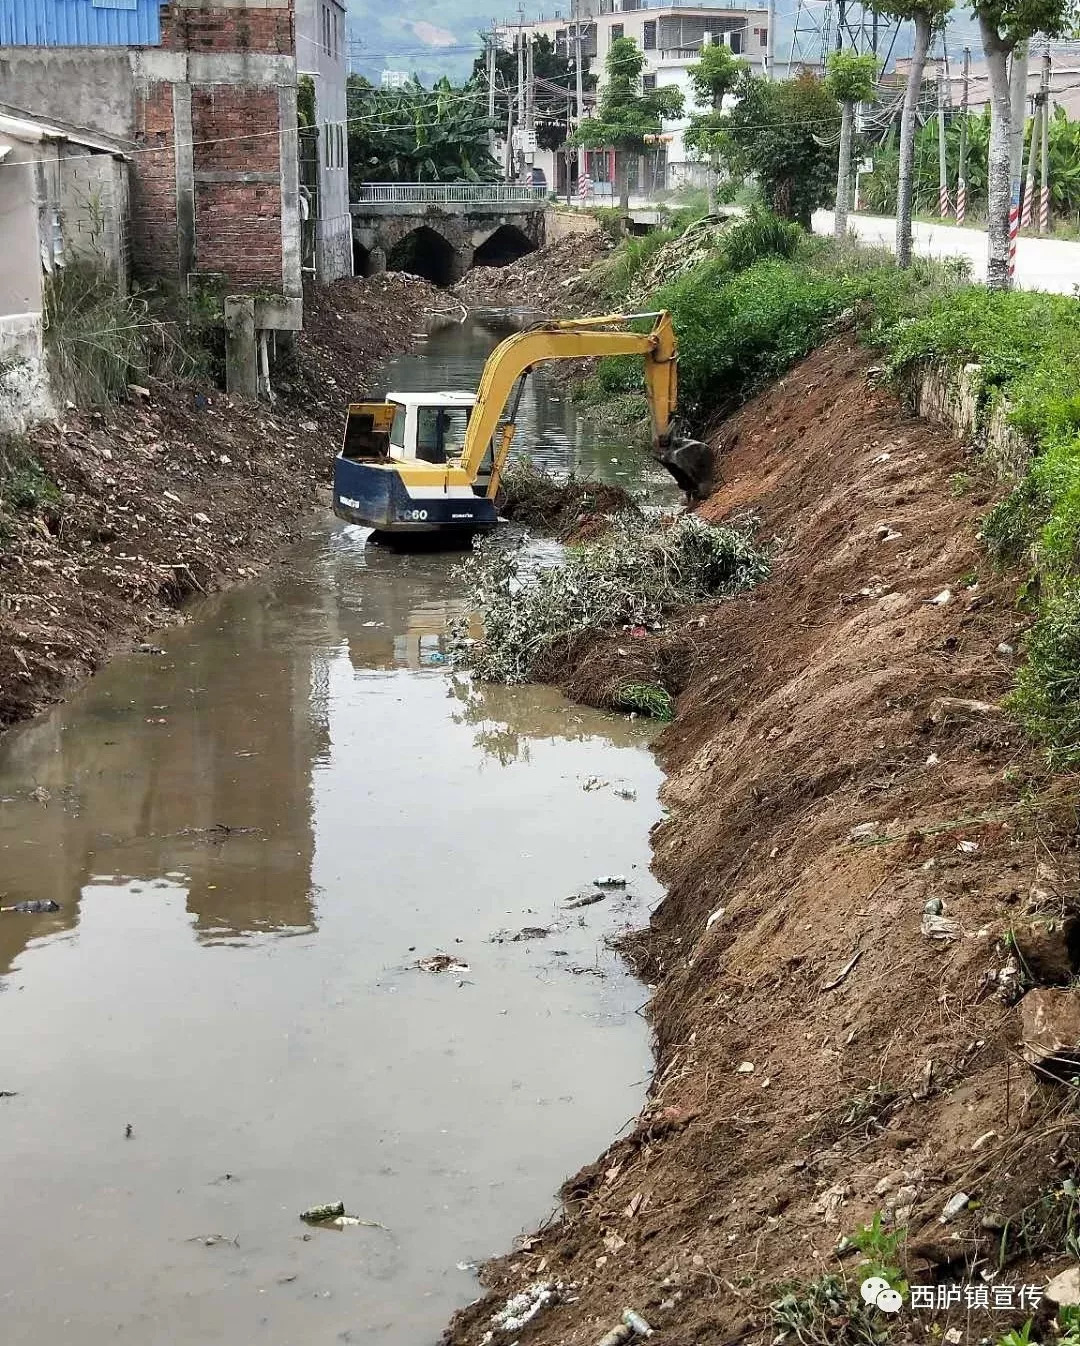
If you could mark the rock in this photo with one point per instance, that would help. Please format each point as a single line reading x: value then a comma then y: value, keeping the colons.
x: 933, y: 907
x: 864, y: 831
x: 745, y: 1068
x: 992, y: 1220
x: 944, y: 708
x: 1050, y: 1033
x: 954, y: 1206
x: 1005, y: 649
x: 1064, y: 1289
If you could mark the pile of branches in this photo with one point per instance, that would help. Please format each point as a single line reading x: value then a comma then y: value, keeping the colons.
x: 632, y: 577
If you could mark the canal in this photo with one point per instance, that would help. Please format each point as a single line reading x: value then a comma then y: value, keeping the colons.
x: 255, y: 831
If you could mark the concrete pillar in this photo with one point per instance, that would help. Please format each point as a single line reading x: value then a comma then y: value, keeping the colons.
x: 241, y: 352
x: 463, y: 259
x: 376, y: 261
x: 185, y: 184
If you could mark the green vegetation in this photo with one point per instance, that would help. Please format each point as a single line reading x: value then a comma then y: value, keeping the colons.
x: 1028, y: 348
x: 99, y: 339
x: 418, y: 135
x: 645, y: 698
x: 633, y: 576
x: 627, y: 115
x: 779, y: 133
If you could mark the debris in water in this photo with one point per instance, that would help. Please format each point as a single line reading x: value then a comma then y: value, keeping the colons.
x: 610, y: 881
x: 211, y: 1240
x: 129, y: 1131
x: 440, y: 962
x: 585, y: 900
x: 531, y: 932
x: 9, y: 1093
x: 625, y: 792
x: 40, y: 795
x: 33, y: 908
x: 593, y: 783
x: 333, y: 1210
x: 344, y: 1221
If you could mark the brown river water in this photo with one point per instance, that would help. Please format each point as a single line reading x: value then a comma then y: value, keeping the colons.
x: 253, y: 837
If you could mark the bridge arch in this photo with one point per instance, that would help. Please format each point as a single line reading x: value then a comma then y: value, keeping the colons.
x: 505, y: 245
x: 425, y: 252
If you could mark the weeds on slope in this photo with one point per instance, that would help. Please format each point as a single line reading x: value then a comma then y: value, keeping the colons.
x: 631, y: 577
x: 1027, y: 347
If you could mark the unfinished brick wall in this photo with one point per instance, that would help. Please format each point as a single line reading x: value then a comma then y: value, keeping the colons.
x: 153, y: 184
x: 234, y: 158
x: 211, y: 29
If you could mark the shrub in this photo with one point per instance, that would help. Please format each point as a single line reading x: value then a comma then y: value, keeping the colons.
x: 632, y: 576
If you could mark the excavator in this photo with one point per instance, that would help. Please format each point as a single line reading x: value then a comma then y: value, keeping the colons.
x: 432, y: 462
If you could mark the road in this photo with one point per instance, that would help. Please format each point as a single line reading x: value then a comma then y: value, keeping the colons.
x: 1041, y: 263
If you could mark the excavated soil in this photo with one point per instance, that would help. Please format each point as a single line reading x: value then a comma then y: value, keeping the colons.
x: 180, y: 492
x: 554, y: 279
x: 825, y: 1049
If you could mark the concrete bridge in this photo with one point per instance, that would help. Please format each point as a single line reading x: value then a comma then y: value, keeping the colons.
x: 440, y: 229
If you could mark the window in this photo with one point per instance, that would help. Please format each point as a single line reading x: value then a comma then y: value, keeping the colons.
x: 341, y: 145
x: 649, y: 35
x: 648, y: 83
x: 616, y: 31
x: 327, y: 128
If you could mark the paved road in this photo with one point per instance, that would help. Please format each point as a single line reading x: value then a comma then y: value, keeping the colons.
x: 1041, y: 264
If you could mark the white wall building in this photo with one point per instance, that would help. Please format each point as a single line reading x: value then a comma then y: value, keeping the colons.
x: 671, y: 36
x: 324, y: 168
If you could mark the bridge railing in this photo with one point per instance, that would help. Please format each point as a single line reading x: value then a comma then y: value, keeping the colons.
x: 448, y: 193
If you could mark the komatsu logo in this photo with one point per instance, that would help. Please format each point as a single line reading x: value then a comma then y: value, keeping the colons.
x: 348, y: 502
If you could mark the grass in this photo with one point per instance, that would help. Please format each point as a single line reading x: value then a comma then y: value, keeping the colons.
x: 645, y: 698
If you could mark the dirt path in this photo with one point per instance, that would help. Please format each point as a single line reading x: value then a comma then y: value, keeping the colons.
x: 835, y: 1027
x: 113, y: 517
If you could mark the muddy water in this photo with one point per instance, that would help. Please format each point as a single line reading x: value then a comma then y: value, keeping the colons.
x: 253, y: 836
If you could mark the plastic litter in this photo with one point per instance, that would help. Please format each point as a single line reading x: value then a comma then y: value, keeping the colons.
x: 333, y: 1210
x: 33, y: 908
x: 610, y: 881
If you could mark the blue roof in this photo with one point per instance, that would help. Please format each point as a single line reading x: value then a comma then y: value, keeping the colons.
x: 80, y: 23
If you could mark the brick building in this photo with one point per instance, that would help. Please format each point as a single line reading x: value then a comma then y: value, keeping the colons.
x: 203, y: 96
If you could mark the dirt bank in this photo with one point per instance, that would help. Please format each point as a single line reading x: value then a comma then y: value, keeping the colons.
x: 111, y: 517
x: 835, y: 1032
x: 554, y: 279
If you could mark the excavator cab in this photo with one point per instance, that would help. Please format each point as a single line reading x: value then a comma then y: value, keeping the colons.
x: 431, y: 462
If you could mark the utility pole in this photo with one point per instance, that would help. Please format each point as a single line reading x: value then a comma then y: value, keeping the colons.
x: 961, y: 182
x: 1033, y: 149
x: 530, y: 98
x: 519, y: 157
x: 943, y: 170
x: 1044, y: 149
x: 769, y: 41
x: 489, y: 39
x: 578, y: 91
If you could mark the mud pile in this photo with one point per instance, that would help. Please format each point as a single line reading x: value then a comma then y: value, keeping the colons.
x: 178, y: 492
x: 857, y: 839
x: 554, y: 279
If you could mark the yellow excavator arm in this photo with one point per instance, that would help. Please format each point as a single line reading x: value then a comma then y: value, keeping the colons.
x: 573, y: 339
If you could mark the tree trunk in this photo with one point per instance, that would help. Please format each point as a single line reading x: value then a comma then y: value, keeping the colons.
x: 1018, y: 80
x: 713, y: 180
x: 622, y: 177
x: 843, y: 170
x: 997, y: 207
x: 906, y: 180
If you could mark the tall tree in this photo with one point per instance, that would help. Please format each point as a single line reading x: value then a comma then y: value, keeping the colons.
x: 778, y: 133
x: 626, y: 117
x: 850, y: 80
x: 1003, y: 26
x: 926, y: 15
x: 712, y: 78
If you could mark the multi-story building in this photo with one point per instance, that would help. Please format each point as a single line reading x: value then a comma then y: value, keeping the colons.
x: 321, y: 58
x: 671, y: 35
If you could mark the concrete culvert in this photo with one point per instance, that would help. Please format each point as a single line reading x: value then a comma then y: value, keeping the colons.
x: 423, y: 252
x: 506, y: 245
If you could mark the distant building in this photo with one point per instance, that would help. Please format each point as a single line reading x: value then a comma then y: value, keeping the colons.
x: 394, y: 79
x: 63, y: 200
x: 324, y: 156
x: 671, y: 36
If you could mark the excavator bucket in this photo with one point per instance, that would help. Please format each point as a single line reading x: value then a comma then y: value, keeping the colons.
x: 690, y: 462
